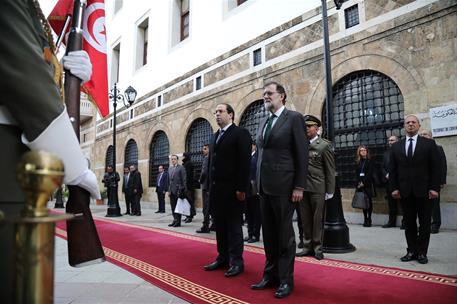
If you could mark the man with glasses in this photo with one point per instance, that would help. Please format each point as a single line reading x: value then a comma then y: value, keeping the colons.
x: 281, y: 171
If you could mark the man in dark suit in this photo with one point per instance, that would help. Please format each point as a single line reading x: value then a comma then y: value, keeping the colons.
x: 190, y: 193
x: 161, y: 188
x: 392, y: 203
x: 414, y: 178
x: 135, y: 187
x: 436, y: 211
x: 125, y: 182
x: 320, y: 186
x: 281, y: 172
x: 229, y: 156
x: 177, y: 186
x: 252, y: 201
x: 204, y: 183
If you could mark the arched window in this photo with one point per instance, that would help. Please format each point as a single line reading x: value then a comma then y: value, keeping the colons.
x: 131, y: 153
x: 251, y: 117
x: 109, y: 161
x: 199, y: 134
x: 367, y: 108
x: 158, y: 155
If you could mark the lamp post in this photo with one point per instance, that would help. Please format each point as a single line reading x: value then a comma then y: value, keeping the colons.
x: 128, y: 98
x: 336, y: 232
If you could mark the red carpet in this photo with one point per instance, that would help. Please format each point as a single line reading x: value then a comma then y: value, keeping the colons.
x: 173, y: 261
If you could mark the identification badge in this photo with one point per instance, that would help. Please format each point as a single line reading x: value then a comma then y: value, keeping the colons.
x: 362, y: 174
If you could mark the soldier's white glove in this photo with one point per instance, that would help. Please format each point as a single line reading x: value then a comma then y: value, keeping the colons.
x: 78, y: 63
x: 60, y: 139
x: 328, y: 196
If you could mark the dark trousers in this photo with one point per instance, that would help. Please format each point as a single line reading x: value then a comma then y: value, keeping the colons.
x: 417, y: 239
x: 253, y: 216
x: 367, y: 212
x: 278, y: 237
x: 135, y: 200
x: 436, y: 213
x: 392, y: 203
x: 229, y: 237
x: 190, y: 195
x: 161, y: 199
x: 128, y: 203
x: 173, y: 202
x: 205, y: 197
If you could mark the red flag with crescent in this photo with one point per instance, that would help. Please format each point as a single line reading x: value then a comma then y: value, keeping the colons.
x: 94, y: 43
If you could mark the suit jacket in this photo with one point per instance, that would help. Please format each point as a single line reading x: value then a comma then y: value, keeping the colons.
x: 162, y: 186
x: 443, y: 164
x: 385, y: 165
x: 204, y: 180
x: 321, y: 167
x: 124, y: 184
x: 229, y: 169
x: 283, y: 159
x: 189, y: 166
x: 135, y: 183
x: 253, y: 189
x: 177, y: 180
x: 418, y: 175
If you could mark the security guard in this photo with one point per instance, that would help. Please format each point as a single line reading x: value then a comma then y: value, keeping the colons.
x: 32, y: 115
x: 320, y: 186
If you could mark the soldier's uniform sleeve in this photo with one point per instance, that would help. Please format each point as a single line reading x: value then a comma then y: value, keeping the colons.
x: 329, y: 168
x: 26, y: 79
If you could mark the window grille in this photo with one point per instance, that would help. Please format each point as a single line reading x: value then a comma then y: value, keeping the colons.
x: 158, y: 155
x: 198, y: 135
x: 251, y: 117
x: 109, y: 161
x: 257, y: 57
x: 351, y: 16
x: 131, y: 153
x: 367, y: 108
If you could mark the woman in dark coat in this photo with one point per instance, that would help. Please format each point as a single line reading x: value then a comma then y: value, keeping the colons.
x: 365, y: 180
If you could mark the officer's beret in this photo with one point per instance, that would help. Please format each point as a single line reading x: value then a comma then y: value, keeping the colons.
x: 311, y: 120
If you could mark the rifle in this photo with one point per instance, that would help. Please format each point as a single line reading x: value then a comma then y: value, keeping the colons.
x: 84, y: 246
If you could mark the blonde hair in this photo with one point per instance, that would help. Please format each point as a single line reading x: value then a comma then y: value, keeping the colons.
x: 357, y: 156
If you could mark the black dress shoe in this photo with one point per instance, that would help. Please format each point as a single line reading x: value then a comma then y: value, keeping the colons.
x: 301, y: 245
x: 203, y: 230
x: 253, y: 239
x: 177, y: 224
x: 283, y: 290
x: 215, y: 265
x: 172, y: 224
x: 188, y: 220
x: 409, y: 257
x: 138, y: 214
x: 126, y: 213
x: 234, y: 270
x: 422, y: 259
x: 388, y: 225
x: 319, y: 255
x: 304, y: 253
x: 246, y: 238
x: 264, y: 284
x: 158, y: 211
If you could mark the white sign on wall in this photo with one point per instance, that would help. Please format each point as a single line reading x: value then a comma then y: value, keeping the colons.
x: 443, y: 120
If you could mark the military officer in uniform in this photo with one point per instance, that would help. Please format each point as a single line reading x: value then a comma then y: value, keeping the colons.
x: 320, y: 186
x: 32, y: 116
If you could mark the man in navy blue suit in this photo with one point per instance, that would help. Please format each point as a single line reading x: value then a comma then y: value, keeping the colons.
x: 161, y: 188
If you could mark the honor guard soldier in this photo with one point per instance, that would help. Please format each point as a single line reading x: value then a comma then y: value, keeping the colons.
x: 32, y: 115
x: 320, y: 186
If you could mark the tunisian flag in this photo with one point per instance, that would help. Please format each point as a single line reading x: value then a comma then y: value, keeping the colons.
x: 94, y: 43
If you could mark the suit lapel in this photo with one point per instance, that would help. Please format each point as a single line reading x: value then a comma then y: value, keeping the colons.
x: 226, y: 133
x: 279, y: 122
x: 262, y: 124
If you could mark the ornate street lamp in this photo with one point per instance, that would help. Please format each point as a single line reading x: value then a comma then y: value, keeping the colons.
x: 336, y: 232
x: 128, y: 98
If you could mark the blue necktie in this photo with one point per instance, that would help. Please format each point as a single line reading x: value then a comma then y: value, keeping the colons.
x: 410, y: 148
x: 221, y: 132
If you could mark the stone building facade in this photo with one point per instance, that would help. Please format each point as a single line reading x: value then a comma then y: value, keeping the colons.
x: 400, y: 58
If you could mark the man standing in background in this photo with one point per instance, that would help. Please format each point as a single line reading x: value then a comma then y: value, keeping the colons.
x: 177, y: 185
x: 436, y: 210
x: 125, y: 182
x: 135, y: 187
x: 392, y: 203
x: 320, y: 186
x: 161, y: 188
x: 204, y: 182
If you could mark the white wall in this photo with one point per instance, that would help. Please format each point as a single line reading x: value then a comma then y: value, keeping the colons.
x: 214, y: 30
